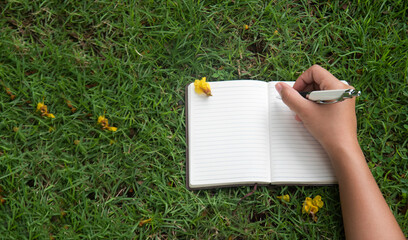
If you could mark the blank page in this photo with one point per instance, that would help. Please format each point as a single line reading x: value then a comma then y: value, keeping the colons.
x: 296, y: 156
x: 228, y: 135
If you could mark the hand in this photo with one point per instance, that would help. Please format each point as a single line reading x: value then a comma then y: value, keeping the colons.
x: 333, y: 125
x: 366, y: 214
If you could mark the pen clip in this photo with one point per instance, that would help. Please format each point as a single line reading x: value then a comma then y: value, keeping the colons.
x: 349, y: 93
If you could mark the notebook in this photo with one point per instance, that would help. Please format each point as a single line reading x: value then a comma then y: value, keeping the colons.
x: 244, y: 135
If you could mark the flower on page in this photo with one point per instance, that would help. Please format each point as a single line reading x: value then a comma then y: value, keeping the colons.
x: 202, y: 87
x: 284, y: 198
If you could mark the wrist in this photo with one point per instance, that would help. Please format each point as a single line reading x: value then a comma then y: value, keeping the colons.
x: 344, y: 151
x: 346, y: 159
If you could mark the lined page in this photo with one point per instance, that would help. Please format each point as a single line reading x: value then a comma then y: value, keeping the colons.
x: 296, y: 156
x: 228, y: 135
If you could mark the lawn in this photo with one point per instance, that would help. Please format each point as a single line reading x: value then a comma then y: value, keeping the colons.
x: 129, y: 61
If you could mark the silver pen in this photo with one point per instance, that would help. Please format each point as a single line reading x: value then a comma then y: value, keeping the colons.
x: 330, y: 96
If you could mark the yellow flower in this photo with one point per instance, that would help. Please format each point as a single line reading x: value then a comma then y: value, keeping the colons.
x: 307, y: 205
x: 202, y: 87
x: 113, y: 129
x: 44, y: 110
x: 39, y: 106
x: 103, y: 121
x: 314, y: 209
x: 246, y: 27
x: 312, y: 206
x: 50, y: 115
x: 317, y: 201
x: 284, y: 198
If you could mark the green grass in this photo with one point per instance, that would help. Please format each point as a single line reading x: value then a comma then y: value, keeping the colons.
x: 130, y: 62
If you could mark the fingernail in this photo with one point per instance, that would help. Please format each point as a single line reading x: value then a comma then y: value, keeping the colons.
x: 278, y: 88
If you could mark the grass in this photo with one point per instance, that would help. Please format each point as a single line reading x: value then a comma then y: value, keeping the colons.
x: 68, y: 178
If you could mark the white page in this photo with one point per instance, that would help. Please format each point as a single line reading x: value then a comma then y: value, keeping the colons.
x: 228, y: 134
x: 296, y: 156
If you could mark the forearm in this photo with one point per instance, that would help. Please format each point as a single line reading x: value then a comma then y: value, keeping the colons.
x: 366, y: 215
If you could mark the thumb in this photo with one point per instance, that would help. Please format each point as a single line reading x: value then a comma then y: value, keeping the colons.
x: 292, y: 98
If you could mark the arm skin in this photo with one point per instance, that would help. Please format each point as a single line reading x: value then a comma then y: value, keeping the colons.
x: 366, y: 214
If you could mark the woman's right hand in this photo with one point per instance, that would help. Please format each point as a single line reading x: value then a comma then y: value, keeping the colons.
x: 333, y: 125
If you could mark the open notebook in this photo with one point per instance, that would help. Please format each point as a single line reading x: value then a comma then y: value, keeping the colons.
x: 244, y: 134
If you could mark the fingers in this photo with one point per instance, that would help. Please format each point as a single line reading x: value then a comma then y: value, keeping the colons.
x: 298, y: 118
x: 314, y: 78
x: 317, y: 78
x: 293, y: 99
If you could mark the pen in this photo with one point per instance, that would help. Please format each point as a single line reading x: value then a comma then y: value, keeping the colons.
x: 330, y: 96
